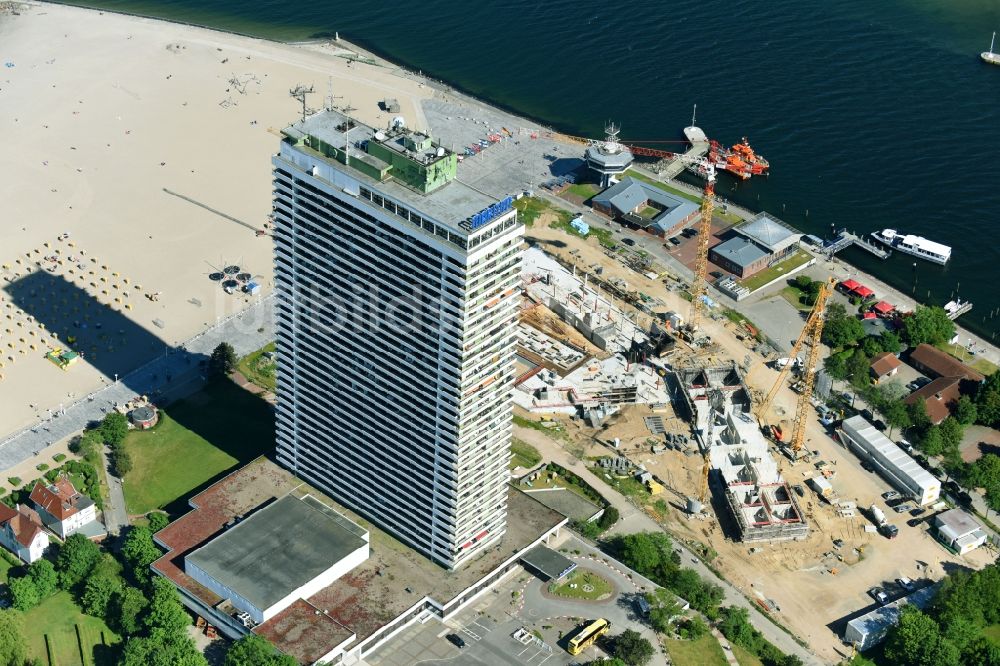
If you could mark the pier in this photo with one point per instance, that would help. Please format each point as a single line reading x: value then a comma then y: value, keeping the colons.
x: 845, y: 239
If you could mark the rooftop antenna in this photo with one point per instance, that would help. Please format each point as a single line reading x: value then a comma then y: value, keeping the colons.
x: 299, y: 92
x: 329, y: 94
x: 611, y: 144
x: 348, y: 108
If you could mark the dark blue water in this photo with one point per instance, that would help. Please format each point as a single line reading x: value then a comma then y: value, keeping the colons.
x: 873, y: 114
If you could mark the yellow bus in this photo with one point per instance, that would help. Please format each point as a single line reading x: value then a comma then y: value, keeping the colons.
x: 588, y: 635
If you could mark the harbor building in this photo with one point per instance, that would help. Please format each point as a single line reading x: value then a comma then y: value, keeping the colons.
x: 397, y: 287
x: 755, y: 245
x: 641, y: 205
x: 758, y: 498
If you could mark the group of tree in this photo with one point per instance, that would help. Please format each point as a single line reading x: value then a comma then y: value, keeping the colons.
x: 929, y: 325
x: 113, y: 429
x: 950, y: 631
x: 652, y: 555
x: 988, y: 402
x: 853, y: 349
x: 809, y: 289
x: 734, y: 623
x: 595, y: 528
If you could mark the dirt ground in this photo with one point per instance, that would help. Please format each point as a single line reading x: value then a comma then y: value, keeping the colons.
x: 979, y: 440
x: 810, y: 584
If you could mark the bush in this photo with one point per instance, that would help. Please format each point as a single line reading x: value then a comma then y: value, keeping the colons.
x: 52, y: 475
x: 693, y: 628
x: 589, y: 529
x: 41, y: 467
x: 608, y: 518
x: 14, y: 480
x: 157, y: 521
x: 59, y: 457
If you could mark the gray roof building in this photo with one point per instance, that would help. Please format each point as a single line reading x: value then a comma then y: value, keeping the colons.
x: 278, y: 554
x: 959, y: 530
x: 739, y: 251
x: 628, y: 194
x: 769, y: 232
x: 549, y: 563
x: 870, y: 629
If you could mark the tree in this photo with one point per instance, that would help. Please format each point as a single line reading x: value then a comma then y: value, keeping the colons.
x: 735, y: 625
x: 918, y: 415
x: 23, y: 593
x: 988, y: 401
x: 87, y: 445
x: 165, y: 610
x: 858, y: 369
x: 631, y: 647
x: 917, y: 641
x: 841, y: 329
x: 836, y: 364
x: 702, y: 595
x: 693, y: 628
x: 121, y: 461
x: 871, y: 345
x: 965, y: 410
x: 113, y: 428
x: 139, y: 552
x: 951, y: 434
x: 803, y: 282
x: 253, y: 650
x: 890, y: 342
x: 127, y: 609
x: 663, y: 608
x: 98, y: 593
x: 645, y: 551
x: 162, y: 648
x: 608, y: 518
x: 157, y: 521
x: 929, y: 325
x: 985, y: 472
x: 896, y: 415
x: 43, y: 575
x: 931, y: 442
x: 222, y: 361
x: 13, y: 647
x: 76, y: 559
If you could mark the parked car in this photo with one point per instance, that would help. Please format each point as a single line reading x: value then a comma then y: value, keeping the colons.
x: 919, y: 511
x: 628, y: 241
x: 879, y: 595
x: 674, y: 240
x: 913, y: 522
x: 905, y: 445
x: 716, y: 274
x: 921, y: 382
x: 799, y: 490
x: 456, y: 640
x: 905, y: 583
x: 903, y: 508
x: 890, y: 495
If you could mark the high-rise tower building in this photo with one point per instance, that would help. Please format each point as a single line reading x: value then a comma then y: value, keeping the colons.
x: 397, y: 296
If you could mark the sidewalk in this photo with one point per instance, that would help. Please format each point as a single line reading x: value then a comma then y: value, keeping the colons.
x: 175, y: 373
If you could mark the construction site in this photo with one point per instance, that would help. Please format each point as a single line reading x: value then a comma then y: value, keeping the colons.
x: 646, y: 378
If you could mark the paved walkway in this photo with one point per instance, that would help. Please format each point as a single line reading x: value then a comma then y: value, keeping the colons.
x: 174, y: 374
x: 634, y: 519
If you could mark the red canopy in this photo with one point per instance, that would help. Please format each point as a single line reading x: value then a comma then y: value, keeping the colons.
x: 883, y: 308
x: 863, y: 291
x: 850, y: 285
x: 869, y: 315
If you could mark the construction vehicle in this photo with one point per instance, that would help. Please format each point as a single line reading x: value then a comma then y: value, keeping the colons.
x: 884, y: 528
x: 811, y: 332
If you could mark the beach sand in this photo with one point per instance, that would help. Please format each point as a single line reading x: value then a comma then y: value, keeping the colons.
x: 123, y: 133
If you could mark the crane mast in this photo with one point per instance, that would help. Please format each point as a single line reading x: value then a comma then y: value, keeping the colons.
x: 701, y: 261
x: 812, y: 331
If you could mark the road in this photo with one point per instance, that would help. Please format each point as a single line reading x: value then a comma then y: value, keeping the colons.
x: 173, y: 374
x: 634, y: 520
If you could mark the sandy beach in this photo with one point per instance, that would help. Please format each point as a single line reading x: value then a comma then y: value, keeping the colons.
x: 137, y: 162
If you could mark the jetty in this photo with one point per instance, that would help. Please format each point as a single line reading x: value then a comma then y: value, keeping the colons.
x: 845, y: 238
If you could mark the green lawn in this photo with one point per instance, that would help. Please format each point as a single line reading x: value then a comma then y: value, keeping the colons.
x: 705, y: 651
x: 583, y: 190
x: 529, y: 208
x: 992, y: 633
x: 793, y: 296
x: 627, y: 486
x: 781, y: 268
x: 259, y: 370
x: 681, y: 193
x: 5, y: 567
x: 58, y: 617
x: 588, y: 585
x: 196, y: 440
x: 744, y: 657
x: 523, y: 454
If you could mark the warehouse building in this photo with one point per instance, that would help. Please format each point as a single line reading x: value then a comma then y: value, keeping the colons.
x: 643, y: 206
x: 959, y: 531
x: 761, y: 242
x: 892, y: 462
x: 870, y: 629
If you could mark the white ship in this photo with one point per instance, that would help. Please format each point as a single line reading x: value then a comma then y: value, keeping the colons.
x: 915, y: 245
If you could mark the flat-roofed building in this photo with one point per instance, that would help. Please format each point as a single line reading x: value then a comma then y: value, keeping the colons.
x: 892, y: 462
x: 959, y: 531
x: 286, y: 551
x: 870, y: 629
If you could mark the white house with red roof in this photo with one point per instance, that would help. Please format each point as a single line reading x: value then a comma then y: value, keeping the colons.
x: 62, y: 508
x: 22, y: 532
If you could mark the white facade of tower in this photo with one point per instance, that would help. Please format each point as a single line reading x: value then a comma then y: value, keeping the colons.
x: 395, y: 338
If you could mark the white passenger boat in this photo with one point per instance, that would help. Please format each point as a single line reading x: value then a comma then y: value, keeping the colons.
x: 915, y: 245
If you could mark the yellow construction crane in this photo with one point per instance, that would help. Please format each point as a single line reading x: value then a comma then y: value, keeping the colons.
x: 812, y: 331
x: 701, y: 261
x: 703, y: 485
